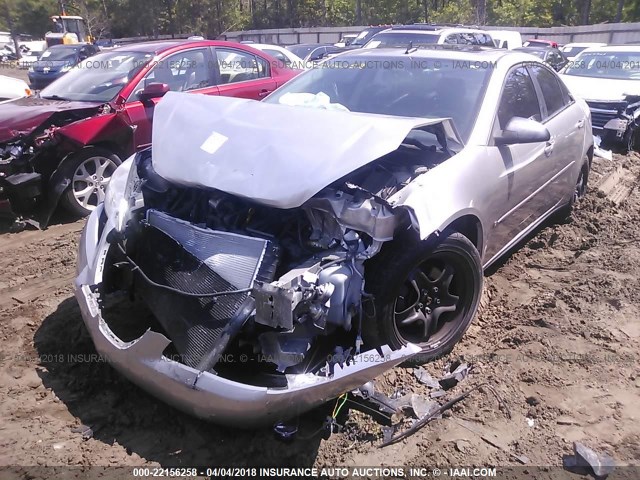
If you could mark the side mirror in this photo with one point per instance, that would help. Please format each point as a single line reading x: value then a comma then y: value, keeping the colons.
x: 153, y: 90
x: 522, y: 130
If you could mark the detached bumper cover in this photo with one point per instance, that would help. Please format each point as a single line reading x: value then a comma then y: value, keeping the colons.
x: 206, y: 395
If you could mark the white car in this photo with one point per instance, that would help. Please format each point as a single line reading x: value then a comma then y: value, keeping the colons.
x: 288, y: 58
x: 346, y: 40
x: 422, y: 34
x: 571, y: 50
x: 29, y: 58
x: 508, y: 39
x: 608, y: 78
x: 319, y: 246
x: 11, y: 88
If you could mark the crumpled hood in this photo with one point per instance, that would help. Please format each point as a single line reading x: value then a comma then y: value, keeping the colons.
x: 276, y: 155
x: 23, y: 115
x: 601, y: 89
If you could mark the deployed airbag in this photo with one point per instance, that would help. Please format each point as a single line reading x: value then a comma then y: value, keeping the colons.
x: 277, y: 155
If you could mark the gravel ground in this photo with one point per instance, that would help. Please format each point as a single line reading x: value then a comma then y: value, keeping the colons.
x: 557, y: 337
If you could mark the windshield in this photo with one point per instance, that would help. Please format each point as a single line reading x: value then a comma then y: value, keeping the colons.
x: 60, y: 54
x: 363, y: 37
x: 614, y: 65
x: 410, y: 87
x: 401, y: 39
x: 572, y: 51
x: 538, y: 53
x: 302, y: 50
x: 99, y: 78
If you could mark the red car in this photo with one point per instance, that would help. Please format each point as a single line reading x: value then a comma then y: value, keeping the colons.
x: 63, y: 144
x: 539, y: 42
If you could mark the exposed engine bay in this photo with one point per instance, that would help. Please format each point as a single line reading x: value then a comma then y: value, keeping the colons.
x: 283, y: 289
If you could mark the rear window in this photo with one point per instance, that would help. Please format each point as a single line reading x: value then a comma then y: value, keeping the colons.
x: 401, y: 39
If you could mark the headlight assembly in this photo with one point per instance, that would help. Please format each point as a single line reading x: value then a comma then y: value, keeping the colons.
x: 117, y: 201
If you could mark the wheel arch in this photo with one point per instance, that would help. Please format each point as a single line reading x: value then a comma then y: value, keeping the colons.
x: 470, y: 226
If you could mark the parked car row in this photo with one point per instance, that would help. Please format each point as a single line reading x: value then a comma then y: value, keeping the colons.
x: 61, y: 146
x: 319, y: 267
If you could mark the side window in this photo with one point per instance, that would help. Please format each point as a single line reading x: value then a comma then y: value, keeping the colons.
x: 238, y: 66
x: 282, y: 60
x: 182, y: 71
x: 551, y: 90
x: 453, y: 38
x: 519, y: 98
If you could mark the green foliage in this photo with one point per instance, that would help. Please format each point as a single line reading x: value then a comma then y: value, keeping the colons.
x: 125, y: 18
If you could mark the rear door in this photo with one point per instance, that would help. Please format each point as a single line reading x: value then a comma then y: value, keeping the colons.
x: 566, y: 122
x: 242, y: 74
x: 185, y: 71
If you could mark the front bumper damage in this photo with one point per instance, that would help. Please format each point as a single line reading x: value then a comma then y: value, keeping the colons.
x: 199, y: 393
x: 616, y: 121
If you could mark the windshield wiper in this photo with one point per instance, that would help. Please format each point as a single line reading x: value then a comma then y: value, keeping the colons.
x: 54, y: 97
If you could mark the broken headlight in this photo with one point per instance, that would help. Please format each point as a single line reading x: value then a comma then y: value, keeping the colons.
x: 118, y: 198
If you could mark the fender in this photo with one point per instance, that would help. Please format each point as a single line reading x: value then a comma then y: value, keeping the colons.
x: 109, y: 127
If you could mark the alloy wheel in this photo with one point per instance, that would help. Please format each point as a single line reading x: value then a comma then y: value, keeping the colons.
x: 432, y: 300
x: 90, y: 181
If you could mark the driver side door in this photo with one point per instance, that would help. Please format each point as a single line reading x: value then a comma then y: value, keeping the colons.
x: 186, y: 71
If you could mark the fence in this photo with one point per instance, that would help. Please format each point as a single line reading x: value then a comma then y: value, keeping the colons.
x: 613, y: 33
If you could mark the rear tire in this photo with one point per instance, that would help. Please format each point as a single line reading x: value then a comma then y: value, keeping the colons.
x: 426, y: 292
x: 88, y: 173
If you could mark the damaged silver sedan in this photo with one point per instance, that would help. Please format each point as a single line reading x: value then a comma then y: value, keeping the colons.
x: 277, y: 254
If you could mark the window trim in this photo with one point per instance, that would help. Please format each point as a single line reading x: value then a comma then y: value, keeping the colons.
x: 546, y: 116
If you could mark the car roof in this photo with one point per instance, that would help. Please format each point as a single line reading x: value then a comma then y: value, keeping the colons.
x: 74, y: 46
x: 537, y: 48
x: 433, y: 30
x: 160, y: 46
x: 585, y: 44
x: 615, y: 48
x: 456, y: 53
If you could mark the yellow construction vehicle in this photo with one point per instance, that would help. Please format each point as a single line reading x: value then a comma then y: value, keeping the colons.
x: 67, y: 29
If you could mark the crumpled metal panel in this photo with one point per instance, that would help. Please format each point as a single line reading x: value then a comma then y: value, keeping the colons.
x: 277, y: 155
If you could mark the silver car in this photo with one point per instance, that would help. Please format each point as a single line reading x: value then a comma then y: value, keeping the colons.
x: 283, y: 252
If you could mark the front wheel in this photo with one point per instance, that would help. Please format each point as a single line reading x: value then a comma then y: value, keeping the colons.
x: 89, y: 174
x: 426, y: 293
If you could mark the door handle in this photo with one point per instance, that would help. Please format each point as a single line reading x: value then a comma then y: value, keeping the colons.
x: 264, y: 93
x: 580, y: 123
x: 548, y: 149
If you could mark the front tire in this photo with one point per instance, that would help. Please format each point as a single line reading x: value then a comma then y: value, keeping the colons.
x: 426, y: 293
x: 88, y: 173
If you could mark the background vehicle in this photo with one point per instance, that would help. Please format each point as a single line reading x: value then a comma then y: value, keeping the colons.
x: 313, y: 52
x: 551, y: 56
x: 540, y: 42
x: 365, y: 35
x: 11, y: 88
x: 287, y: 247
x: 571, y: 50
x: 508, y: 39
x: 423, y: 34
x: 32, y: 54
x: 67, y: 30
x: 346, y: 40
x: 609, y: 80
x: 57, y: 61
x: 287, y: 57
x: 74, y: 135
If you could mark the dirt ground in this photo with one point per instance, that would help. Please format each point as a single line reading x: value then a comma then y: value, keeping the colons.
x: 557, y: 336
